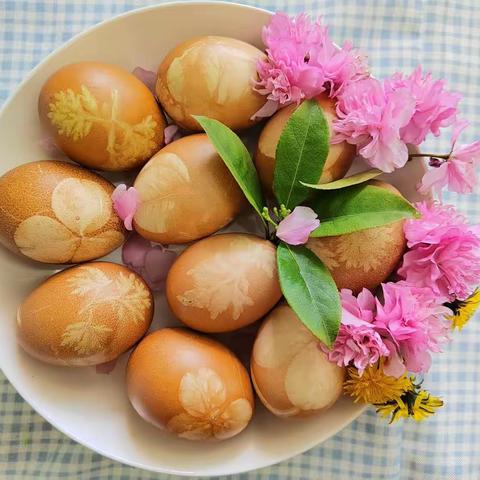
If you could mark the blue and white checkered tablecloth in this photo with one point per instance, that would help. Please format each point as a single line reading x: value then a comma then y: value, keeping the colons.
x: 443, y: 35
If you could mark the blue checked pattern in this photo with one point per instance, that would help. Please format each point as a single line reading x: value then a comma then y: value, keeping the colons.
x: 444, y: 36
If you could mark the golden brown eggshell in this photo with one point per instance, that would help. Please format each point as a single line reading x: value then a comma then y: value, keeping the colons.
x: 101, y: 116
x: 56, y: 212
x: 186, y: 192
x: 224, y: 282
x: 85, y: 315
x: 211, y: 76
x: 190, y: 385
x: 340, y: 155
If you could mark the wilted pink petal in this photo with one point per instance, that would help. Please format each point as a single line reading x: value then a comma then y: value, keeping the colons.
x: 49, y: 146
x: 171, y: 133
x: 107, y: 367
x: 125, y: 203
x: 296, y: 227
x: 146, y: 76
x: 151, y: 262
x: 393, y: 365
x: 268, y: 109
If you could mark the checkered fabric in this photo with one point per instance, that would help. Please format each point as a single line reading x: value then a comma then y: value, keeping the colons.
x: 444, y: 36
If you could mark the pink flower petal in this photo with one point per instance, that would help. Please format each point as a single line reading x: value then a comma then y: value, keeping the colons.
x: 268, y: 109
x: 296, y: 227
x: 107, y: 367
x: 125, y: 203
x: 458, y: 128
x: 148, y: 77
x: 134, y: 250
x: 49, y: 146
x: 171, y: 133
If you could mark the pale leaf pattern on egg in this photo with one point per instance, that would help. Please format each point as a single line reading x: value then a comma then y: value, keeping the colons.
x: 126, y: 295
x: 320, y: 248
x: 159, y: 184
x: 221, y: 282
x: 81, y: 208
x: 74, y: 115
x: 203, y: 396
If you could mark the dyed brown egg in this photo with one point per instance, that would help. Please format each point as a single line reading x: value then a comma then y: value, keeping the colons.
x: 101, y: 116
x: 340, y: 155
x: 56, y: 212
x: 291, y: 374
x: 210, y: 76
x: 186, y: 192
x: 224, y: 282
x: 363, y: 259
x: 85, y: 315
x: 189, y: 385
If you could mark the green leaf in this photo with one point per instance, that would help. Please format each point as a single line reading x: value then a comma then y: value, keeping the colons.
x: 346, y: 182
x: 301, y: 153
x: 357, y: 208
x: 310, y: 290
x: 236, y: 158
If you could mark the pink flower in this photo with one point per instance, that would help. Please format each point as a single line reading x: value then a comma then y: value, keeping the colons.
x: 303, y: 62
x: 435, y: 107
x: 358, y: 342
x: 148, y: 77
x: 295, y: 228
x: 125, y: 203
x: 151, y: 262
x: 371, y: 117
x: 444, y: 252
x: 413, y: 327
x: 458, y: 173
x: 171, y: 133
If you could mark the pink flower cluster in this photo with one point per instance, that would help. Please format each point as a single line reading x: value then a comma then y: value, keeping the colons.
x: 381, y: 118
x: 403, y: 328
x: 444, y: 252
x: 302, y: 62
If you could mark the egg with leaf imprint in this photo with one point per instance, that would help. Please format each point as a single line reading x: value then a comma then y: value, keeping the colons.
x: 291, y: 374
x: 337, y: 163
x: 56, y: 212
x: 85, y: 315
x: 224, y: 282
x: 210, y: 76
x: 101, y: 116
x: 186, y: 192
x: 204, y: 394
x: 364, y: 258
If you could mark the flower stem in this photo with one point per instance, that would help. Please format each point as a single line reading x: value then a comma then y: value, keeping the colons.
x: 433, y: 155
x: 268, y: 218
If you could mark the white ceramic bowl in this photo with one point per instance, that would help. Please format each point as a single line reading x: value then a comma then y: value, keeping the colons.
x: 93, y: 409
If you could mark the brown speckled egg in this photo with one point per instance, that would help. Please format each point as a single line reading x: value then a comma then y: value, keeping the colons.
x: 210, y: 76
x: 340, y: 155
x: 291, y: 374
x: 363, y: 259
x: 190, y: 385
x: 186, y: 192
x: 85, y: 315
x: 56, y: 212
x: 224, y: 282
x: 101, y: 116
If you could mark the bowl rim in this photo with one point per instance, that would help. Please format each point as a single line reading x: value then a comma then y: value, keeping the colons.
x: 45, y: 415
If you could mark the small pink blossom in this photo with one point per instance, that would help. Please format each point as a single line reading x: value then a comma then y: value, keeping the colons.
x: 458, y: 172
x: 295, y: 228
x: 125, y: 203
x: 171, y: 133
x: 148, y: 77
x: 303, y: 62
x: 151, y: 262
x: 414, y: 327
x: 358, y: 342
x: 371, y: 117
x: 435, y: 107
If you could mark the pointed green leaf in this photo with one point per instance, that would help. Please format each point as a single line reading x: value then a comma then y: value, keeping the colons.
x: 357, y: 208
x: 310, y: 290
x: 347, y: 181
x: 237, y: 159
x: 301, y: 153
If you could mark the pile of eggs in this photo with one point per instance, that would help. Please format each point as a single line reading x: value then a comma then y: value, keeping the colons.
x: 183, y: 380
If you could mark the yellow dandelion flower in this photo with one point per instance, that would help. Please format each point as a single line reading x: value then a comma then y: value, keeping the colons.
x: 425, y: 405
x: 394, y: 409
x: 463, y: 310
x: 374, y: 386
